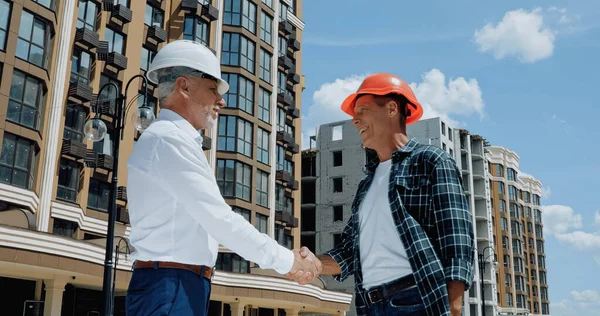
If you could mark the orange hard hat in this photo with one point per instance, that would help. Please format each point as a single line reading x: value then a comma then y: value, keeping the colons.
x: 383, y: 84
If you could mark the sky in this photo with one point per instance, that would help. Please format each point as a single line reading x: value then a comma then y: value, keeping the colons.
x: 520, y: 73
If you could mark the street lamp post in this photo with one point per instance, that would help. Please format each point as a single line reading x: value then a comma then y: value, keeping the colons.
x: 95, y: 130
x: 481, y: 272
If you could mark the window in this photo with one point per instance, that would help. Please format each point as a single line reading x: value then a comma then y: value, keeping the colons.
x: 68, y: 180
x: 269, y: 3
x: 512, y: 192
x: 34, y: 38
x: 281, y: 124
x: 449, y: 133
x: 81, y: 64
x: 234, y: 179
x: 265, y: 65
x: 536, y: 199
x: 240, y: 94
x: 338, y: 213
x: 26, y: 100
x: 115, y: 41
x: 443, y: 128
x: 75, y: 116
x: 336, y: 133
x: 86, y: 15
x: 337, y: 158
x: 154, y: 16
x: 500, y: 187
x: 17, y: 161
x: 281, y: 82
x: 502, y: 206
x: 545, y: 308
x: 235, y: 134
x: 266, y: 25
x: 147, y: 58
x: 232, y: 262
x: 503, y: 223
x: 509, y: 300
x: 511, y: 174
x: 238, y: 50
x: 109, y: 94
x: 262, y: 146
x: 5, y: 12
x: 264, y: 105
x: 240, y: 13
x: 105, y: 146
x: 261, y: 223
x: 279, y: 198
x: 337, y: 185
x: 283, y: 44
x: 63, y: 227
x: 283, y: 8
x: 337, y: 239
x: 499, y: 170
x: 99, y: 195
x: 262, y: 188
x: 196, y: 29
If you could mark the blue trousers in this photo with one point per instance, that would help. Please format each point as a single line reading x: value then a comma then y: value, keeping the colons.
x: 164, y: 291
x: 405, y: 303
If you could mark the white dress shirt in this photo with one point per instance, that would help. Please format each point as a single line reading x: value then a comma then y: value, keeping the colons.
x: 176, y: 210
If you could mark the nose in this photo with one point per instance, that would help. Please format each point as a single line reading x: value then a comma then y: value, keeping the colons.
x: 221, y: 103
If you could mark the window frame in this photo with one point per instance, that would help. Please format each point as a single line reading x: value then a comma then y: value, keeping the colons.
x: 262, y: 188
x: 263, y: 141
x: 235, y: 97
x: 40, y: 100
x: 241, y: 188
x: 31, y: 164
x: 204, y: 30
x: 4, y: 28
x: 73, y: 188
x: 46, y: 47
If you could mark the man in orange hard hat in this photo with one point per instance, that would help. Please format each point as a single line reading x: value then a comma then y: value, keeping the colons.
x: 409, y: 241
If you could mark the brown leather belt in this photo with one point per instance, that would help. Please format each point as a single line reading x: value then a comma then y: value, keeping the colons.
x: 204, y: 271
x: 385, y: 292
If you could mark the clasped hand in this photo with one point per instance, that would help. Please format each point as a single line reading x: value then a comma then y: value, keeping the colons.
x: 307, y: 266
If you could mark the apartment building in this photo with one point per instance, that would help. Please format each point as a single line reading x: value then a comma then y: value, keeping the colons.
x: 56, y: 59
x: 518, y: 236
x: 332, y: 170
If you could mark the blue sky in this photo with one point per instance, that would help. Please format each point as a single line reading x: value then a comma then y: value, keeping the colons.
x: 526, y: 81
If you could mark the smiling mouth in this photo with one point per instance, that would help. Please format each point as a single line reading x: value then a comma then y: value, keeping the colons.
x: 362, y: 130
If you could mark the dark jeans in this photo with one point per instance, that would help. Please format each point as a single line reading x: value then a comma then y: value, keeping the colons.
x: 154, y: 292
x: 407, y: 302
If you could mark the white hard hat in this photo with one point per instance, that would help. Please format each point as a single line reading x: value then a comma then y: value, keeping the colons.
x: 190, y: 54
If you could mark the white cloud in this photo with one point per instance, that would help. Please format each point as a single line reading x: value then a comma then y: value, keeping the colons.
x: 597, y: 218
x: 546, y: 192
x: 439, y: 98
x: 586, y: 302
x: 580, y: 240
x: 530, y: 36
x: 558, y: 219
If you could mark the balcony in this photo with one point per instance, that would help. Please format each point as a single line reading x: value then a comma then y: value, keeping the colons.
x: 294, y: 77
x: 293, y: 112
x: 293, y: 148
x: 206, y: 10
x: 285, y: 99
x: 285, y: 137
x: 96, y: 160
x: 283, y: 176
x: 122, y: 214
x: 287, y: 218
x: 206, y: 143
x: 293, y: 185
x: 121, y: 13
x: 285, y: 62
x: 117, y: 60
x: 73, y: 148
x: 81, y: 91
x: 286, y: 27
x: 295, y: 45
x: 87, y: 37
x: 157, y: 33
x: 122, y: 193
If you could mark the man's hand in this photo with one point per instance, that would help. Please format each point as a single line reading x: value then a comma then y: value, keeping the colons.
x: 306, y: 266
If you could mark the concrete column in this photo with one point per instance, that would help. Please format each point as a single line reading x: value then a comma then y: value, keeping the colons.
x: 237, y: 309
x: 54, y: 296
x: 291, y: 312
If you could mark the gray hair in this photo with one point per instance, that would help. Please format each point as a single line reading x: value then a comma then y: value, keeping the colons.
x: 167, y: 78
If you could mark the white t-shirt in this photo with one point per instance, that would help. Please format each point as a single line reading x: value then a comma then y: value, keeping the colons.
x: 382, y: 254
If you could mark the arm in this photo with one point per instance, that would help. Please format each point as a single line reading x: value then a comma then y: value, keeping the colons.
x: 192, y: 181
x: 339, y: 261
x: 454, y: 230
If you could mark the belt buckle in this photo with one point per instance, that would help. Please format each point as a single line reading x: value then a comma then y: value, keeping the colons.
x: 371, y: 298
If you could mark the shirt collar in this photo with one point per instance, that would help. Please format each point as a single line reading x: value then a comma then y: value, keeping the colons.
x: 398, y: 155
x: 183, y: 124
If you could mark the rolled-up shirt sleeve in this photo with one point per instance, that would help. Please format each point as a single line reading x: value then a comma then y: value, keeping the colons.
x: 343, y: 253
x: 454, y: 223
x: 192, y: 181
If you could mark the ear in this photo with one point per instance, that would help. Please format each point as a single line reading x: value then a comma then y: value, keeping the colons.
x: 392, y: 108
x: 182, y: 86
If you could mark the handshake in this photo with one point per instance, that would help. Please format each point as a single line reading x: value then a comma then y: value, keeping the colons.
x: 306, y: 268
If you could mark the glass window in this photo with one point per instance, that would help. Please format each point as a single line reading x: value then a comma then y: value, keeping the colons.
x: 234, y: 179
x: 147, y: 58
x: 238, y: 51
x: 5, y: 11
x: 264, y: 105
x: 154, y: 16
x: 115, y: 41
x: 196, y: 29
x: 261, y: 223
x: 232, y: 262
x: 282, y: 46
x: 265, y: 65
x: 17, y: 161
x: 108, y: 93
x: 240, y: 94
x: 63, y: 227
x: 86, y: 15
x: 68, y: 180
x: 33, y: 40
x: 266, y: 25
x: 81, y: 64
x: 26, y: 101
x: 75, y: 116
x: 262, y: 188
x: 235, y: 134
x: 99, y: 195
x: 240, y: 13
x: 262, y: 144
x: 269, y: 3
x: 283, y: 9
x: 105, y: 146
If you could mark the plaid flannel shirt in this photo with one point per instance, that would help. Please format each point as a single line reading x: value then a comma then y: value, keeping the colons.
x: 432, y: 217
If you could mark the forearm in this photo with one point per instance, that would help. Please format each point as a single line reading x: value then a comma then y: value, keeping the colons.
x: 330, y: 266
x: 456, y: 291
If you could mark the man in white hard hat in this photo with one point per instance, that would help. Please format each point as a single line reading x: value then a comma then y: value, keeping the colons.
x: 178, y: 216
